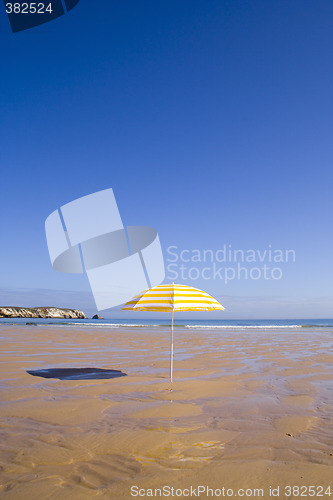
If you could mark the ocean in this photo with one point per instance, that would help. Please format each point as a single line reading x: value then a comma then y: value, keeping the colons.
x: 184, y: 323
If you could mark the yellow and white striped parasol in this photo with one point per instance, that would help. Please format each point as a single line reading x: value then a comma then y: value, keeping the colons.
x: 171, y: 298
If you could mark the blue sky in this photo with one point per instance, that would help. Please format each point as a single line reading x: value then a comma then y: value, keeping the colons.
x: 211, y: 121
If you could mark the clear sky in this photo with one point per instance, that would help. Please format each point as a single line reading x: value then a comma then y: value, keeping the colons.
x: 211, y: 120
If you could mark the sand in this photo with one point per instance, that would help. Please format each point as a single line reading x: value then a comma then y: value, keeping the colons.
x: 248, y: 410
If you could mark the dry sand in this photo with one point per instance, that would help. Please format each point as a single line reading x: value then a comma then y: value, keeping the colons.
x: 248, y: 409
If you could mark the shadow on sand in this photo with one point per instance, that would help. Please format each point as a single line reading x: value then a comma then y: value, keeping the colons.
x: 76, y: 373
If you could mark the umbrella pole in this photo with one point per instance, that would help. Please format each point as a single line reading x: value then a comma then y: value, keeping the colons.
x: 171, y: 353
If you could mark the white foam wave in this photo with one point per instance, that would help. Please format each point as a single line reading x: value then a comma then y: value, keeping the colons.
x: 103, y: 325
x: 209, y: 327
x: 243, y: 327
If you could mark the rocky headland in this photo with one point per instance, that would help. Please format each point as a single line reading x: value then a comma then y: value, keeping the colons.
x: 41, y: 312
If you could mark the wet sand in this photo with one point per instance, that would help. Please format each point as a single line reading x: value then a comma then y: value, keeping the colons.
x: 249, y: 409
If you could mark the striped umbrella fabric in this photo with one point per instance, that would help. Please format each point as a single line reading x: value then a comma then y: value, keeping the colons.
x: 172, y: 298
x: 168, y: 298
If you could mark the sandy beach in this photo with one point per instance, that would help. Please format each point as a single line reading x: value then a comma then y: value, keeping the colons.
x: 248, y: 411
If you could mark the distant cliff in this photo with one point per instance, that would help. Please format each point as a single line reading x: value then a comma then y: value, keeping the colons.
x: 40, y: 312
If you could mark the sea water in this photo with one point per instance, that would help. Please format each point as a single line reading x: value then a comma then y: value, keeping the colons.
x: 180, y: 322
